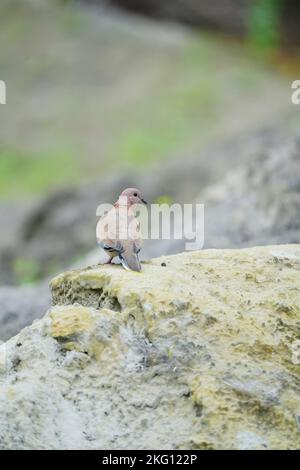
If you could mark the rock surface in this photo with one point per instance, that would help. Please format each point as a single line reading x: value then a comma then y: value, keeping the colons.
x: 199, y: 351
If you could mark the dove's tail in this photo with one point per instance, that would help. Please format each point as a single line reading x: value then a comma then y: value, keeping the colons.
x: 130, y: 259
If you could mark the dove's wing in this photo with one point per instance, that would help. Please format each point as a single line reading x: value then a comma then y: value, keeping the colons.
x: 129, y: 256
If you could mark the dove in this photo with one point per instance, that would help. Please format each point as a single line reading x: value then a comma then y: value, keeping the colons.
x: 118, y: 231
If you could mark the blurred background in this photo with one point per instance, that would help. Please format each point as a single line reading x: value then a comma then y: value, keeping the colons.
x: 190, y: 100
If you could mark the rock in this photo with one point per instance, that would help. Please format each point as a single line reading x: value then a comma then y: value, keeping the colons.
x: 197, y: 354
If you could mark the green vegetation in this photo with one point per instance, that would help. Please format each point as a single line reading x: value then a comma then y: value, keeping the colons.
x: 264, y: 24
x: 164, y: 199
x: 167, y: 123
x: 189, y: 108
x: 26, y: 271
x: 29, y: 270
x: 28, y: 173
x: 90, y: 96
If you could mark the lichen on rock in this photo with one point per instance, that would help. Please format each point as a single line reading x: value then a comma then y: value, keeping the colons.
x: 198, y: 351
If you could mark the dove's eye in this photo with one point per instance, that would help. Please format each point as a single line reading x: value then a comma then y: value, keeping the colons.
x: 135, y: 194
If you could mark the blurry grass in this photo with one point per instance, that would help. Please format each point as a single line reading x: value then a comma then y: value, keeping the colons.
x: 22, y: 173
x: 117, y: 102
x: 26, y: 270
x: 164, y: 124
x: 29, y: 270
x: 155, y: 128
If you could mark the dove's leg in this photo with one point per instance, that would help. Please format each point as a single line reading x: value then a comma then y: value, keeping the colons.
x: 112, y: 255
x: 111, y: 251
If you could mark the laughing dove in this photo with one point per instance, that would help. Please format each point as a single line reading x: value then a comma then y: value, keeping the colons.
x: 118, y: 231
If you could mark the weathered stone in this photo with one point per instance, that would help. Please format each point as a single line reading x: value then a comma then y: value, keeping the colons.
x: 200, y: 353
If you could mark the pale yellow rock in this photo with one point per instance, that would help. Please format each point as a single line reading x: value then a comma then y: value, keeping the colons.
x: 202, y: 353
x: 70, y: 320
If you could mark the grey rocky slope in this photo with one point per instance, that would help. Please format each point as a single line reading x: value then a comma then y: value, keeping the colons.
x: 257, y: 203
x: 199, y: 351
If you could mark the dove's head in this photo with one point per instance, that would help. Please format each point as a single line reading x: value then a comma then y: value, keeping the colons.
x: 131, y: 196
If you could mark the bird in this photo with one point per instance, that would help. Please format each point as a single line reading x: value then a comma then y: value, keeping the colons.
x: 118, y: 231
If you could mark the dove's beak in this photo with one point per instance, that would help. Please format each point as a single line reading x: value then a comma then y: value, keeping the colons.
x: 143, y: 201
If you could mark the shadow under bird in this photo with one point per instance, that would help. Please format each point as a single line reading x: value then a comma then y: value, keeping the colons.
x: 118, y: 231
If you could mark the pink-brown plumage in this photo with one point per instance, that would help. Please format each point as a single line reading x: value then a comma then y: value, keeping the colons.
x: 118, y: 232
